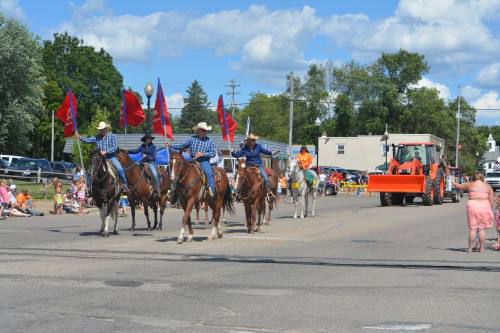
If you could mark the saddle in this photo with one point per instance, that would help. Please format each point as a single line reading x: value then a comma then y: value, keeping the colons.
x: 111, y: 170
x: 149, y: 175
x: 310, y: 177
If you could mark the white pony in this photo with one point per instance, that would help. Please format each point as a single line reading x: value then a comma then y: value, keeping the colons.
x: 301, y: 189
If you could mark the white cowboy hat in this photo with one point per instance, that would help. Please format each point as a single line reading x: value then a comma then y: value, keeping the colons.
x: 203, y: 125
x: 252, y: 136
x: 102, y: 125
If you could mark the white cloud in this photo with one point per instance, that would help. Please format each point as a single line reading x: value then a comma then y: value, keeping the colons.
x: 489, y: 76
x: 449, y: 32
x: 444, y: 91
x: 175, y: 102
x: 490, y: 100
x: 13, y: 8
x: 470, y: 93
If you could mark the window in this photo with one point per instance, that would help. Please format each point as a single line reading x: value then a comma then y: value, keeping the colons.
x: 340, y: 149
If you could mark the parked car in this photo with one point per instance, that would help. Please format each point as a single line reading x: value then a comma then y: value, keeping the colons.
x: 3, y: 165
x: 341, y: 172
x: 27, y: 168
x: 10, y: 158
x: 357, y: 174
x: 63, y: 170
x: 493, y: 179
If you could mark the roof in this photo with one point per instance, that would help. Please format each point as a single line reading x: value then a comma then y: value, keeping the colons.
x: 417, y: 144
x: 132, y: 141
x: 492, y: 155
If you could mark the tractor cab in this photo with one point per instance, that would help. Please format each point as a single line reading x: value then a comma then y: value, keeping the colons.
x: 413, y: 158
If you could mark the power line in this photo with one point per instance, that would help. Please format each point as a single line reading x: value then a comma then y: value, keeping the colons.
x: 232, y: 85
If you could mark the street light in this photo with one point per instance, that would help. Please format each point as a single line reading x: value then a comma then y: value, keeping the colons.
x: 317, y: 122
x: 149, y: 90
x: 385, y: 138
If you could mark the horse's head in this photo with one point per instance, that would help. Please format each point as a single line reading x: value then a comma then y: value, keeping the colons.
x: 98, y: 165
x: 176, y: 163
x: 242, y: 169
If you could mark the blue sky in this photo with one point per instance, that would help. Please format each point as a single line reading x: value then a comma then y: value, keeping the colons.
x: 258, y: 42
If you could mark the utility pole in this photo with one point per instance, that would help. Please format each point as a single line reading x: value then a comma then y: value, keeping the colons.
x: 458, y: 130
x: 232, y: 85
x: 290, y: 117
x: 52, y: 140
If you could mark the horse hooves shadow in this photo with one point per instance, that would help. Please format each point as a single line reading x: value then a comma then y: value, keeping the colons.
x: 142, y: 235
x: 457, y: 249
x: 90, y: 233
x: 232, y: 231
x: 174, y: 239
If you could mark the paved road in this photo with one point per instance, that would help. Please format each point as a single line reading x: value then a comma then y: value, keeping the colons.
x: 356, y: 267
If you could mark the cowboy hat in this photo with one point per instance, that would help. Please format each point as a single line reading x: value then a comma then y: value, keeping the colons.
x: 203, y: 125
x: 102, y: 125
x: 252, y: 136
x: 147, y: 136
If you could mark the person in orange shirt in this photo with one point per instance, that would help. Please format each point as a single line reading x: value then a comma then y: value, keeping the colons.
x: 26, y: 202
x: 304, y: 158
x: 283, y: 184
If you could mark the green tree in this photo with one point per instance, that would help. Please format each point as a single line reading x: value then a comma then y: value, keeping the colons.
x: 21, y: 86
x: 90, y: 74
x: 344, y: 116
x: 195, y: 109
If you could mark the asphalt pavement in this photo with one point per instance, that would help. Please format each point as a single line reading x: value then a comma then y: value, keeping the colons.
x: 355, y: 267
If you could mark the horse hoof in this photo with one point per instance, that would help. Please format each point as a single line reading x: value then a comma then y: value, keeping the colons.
x: 180, y: 240
x: 210, y: 237
x: 105, y: 234
x: 190, y: 238
x: 220, y: 235
x: 160, y: 228
x: 149, y: 228
x: 116, y: 232
x: 295, y: 216
x: 131, y: 229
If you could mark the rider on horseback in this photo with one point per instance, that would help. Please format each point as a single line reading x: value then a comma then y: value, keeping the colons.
x: 252, y: 150
x: 148, y: 151
x: 202, y: 149
x: 108, y: 146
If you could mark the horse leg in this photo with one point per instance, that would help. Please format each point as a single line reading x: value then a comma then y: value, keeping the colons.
x: 303, y: 201
x: 188, y: 207
x: 132, y: 213
x: 205, y: 207
x: 248, y: 215
x: 306, y: 200
x: 216, y: 219
x: 295, y: 203
x: 104, y: 218
x: 197, y: 208
x: 190, y: 230
x: 315, y: 193
x: 154, y: 206
x: 270, y: 207
x: 114, y: 214
x: 163, y: 202
x: 254, y: 217
x: 146, y: 213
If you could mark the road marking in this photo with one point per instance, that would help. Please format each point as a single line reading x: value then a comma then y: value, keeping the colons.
x: 409, y: 327
x: 12, y: 230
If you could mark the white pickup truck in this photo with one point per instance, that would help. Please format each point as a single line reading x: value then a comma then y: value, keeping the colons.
x: 493, y: 179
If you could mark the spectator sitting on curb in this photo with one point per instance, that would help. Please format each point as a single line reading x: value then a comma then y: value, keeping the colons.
x: 4, y: 198
x: 70, y: 205
x: 14, y: 209
x: 26, y: 202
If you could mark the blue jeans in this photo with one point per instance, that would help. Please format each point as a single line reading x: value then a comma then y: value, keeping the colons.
x: 154, y: 172
x: 207, y: 169
x: 119, y: 169
x: 264, y: 176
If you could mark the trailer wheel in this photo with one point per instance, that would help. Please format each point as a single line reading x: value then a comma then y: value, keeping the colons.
x: 385, y: 199
x: 428, y: 196
x: 397, y: 199
x: 439, y: 187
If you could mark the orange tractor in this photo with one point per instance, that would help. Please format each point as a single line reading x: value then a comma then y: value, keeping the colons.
x: 414, y: 171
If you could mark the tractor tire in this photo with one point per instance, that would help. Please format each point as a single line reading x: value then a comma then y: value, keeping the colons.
x: 409, y: 199
x: 397, y: 199
x: 428, y: 196
x: 385, y: 199
x: 439, y: 187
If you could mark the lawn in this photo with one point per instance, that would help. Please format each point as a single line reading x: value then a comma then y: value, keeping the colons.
x: 36, y: 190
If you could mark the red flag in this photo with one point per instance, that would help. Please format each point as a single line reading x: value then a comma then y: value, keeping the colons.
x: 67, y: 114
x: 131, y: 110
x: 161, y: 119
x: 226, y: 122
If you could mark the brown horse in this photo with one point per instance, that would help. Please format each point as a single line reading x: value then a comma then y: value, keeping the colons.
x: 253, y: 195
x: 271, y: 204
x: 187, y: 177
x: 141, y: 190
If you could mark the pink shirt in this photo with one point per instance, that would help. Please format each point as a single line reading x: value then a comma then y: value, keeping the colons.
x: 4, y: 194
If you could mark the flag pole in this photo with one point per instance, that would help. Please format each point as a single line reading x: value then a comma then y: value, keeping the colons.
x: 74, y: 125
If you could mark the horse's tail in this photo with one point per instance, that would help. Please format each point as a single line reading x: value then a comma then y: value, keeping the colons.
x: 228, y: 201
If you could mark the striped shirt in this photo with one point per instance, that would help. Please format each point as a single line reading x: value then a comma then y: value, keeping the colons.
x: 107, y: 143
x: 195, y: 145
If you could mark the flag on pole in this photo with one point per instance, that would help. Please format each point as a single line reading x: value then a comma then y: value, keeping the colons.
x: 248, y: 126
x: 67, y: 113
x: 161, y: 119
x: 226, y: 122
x: 131, y: 110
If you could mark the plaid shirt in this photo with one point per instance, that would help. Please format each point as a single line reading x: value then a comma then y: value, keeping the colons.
x: 195, y: 144
x: 107, y: 143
